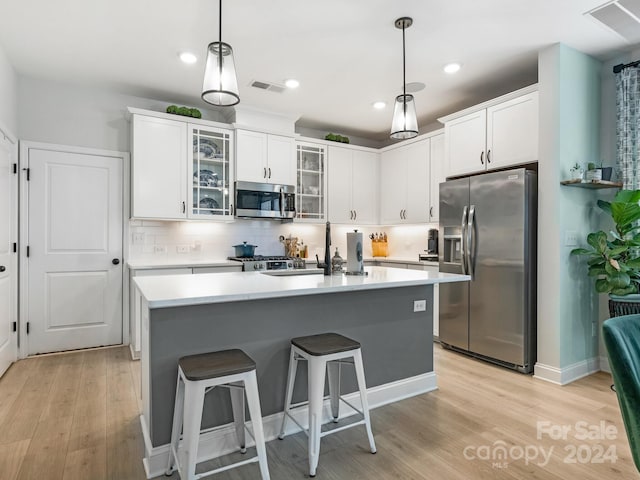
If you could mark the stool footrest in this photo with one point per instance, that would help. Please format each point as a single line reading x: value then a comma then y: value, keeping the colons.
x: 227, y: 467
x: 339, y: 429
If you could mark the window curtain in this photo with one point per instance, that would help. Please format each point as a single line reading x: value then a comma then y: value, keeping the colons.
x: 628, y: 126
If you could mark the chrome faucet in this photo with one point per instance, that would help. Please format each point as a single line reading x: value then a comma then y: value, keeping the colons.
x: 326, y: 265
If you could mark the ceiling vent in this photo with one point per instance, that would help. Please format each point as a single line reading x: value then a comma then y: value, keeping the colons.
x: 621, y: 16
x: 272, y: 87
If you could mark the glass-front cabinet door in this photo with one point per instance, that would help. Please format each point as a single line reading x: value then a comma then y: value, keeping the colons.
x: 311, y: 186
x: 211, y: 173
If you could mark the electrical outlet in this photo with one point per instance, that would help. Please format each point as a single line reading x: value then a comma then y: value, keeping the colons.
x: 138, y: 238
x: 182, y: 248
x: 570, y: 238
x: 159, y: 249
x: 419, y: 305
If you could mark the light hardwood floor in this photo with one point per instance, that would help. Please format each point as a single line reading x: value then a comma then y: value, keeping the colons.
x: 75, y: 416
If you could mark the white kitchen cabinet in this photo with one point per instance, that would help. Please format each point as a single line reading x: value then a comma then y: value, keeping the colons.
x: 159, y: 168
x: 501, y: 135
x: 218, y: 269
x: 310, y: 182
x: 180, y: 169
x: 436, y: 176
x: 404, y: 183
x: 211, y: 179
x: 352, y: 186
x: 263, y: 157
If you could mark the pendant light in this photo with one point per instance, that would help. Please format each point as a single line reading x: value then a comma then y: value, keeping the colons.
x: 220, y: 85
x: 404, y: 124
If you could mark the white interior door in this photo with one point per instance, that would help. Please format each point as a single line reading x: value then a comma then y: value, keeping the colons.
x: 8, y: 263
x: 75, y: 250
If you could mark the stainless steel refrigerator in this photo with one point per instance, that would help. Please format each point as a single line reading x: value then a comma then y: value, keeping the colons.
x: 488, y: 230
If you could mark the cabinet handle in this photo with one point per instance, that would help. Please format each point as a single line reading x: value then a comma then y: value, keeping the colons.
x: 431, y: 212
x: 184, y: 207
x: 482, y: 157
x: 355, y: 214
x: 231, y: 209
x: 489, y: 156
x: 264, y: 172
x: 269, y: 172
x: 350, y: 214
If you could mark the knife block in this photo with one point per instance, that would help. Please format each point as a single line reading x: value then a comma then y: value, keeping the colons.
x: 380, y: 249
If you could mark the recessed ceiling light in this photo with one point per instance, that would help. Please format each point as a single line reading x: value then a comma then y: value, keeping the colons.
x: 292, y: 83
x: 452, y: 67
x: 188, y: 57
x: 379, y: 105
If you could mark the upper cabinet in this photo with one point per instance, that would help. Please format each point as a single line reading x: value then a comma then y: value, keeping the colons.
x: 159, y: 168
x: 410, y: 175
x: 352, y: 186
x: 311, y: 182
x: 504, y: 133
x: 404, y: 183
x: 211, y: 172
x: 263, y: 157
x: 179, y: 169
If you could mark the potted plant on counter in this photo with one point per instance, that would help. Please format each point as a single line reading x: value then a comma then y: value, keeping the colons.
x: 614, y: 258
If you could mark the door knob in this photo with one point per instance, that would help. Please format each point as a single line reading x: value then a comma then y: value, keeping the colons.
x: 2, y: 268
x: 115, y: 261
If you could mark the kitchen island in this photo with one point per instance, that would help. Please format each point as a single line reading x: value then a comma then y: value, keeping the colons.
x: 259, y: 313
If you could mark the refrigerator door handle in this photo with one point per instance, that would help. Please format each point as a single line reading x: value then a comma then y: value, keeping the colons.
x: 463, y: 238
x: 471, y: 240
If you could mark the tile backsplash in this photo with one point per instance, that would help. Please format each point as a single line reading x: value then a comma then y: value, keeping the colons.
x: 211, y: 241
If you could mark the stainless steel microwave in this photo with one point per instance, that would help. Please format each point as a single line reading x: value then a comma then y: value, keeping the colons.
x: 265, y: 200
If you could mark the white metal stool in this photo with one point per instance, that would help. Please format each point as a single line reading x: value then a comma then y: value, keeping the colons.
x: 325, y: 353
x: 197, y: 375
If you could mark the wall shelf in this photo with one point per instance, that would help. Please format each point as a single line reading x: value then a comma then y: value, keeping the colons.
x: 593, y: 184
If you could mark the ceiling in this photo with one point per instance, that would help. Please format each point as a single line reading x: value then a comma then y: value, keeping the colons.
x: 346, y: 54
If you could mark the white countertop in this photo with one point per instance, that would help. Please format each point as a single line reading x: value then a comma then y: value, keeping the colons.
x: 181, y: 290
x: 162, y: 262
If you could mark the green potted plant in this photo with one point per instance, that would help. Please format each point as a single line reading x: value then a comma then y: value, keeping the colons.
x: 614, y: 258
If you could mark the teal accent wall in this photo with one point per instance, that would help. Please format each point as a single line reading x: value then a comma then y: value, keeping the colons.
x: 569, y: 133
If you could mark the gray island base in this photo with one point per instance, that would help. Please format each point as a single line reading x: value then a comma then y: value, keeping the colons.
x: 397, y: 349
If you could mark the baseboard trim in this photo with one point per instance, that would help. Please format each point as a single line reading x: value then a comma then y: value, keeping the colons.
x: 222, y: 440
x: 604, y: 364
x: 566, y: 375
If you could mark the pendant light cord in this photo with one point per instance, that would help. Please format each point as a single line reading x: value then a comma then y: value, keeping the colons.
x: 404, y: 80
x: 220, y: 46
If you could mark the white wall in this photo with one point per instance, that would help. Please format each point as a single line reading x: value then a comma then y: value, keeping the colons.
x: 8, y: 94
x: 569, y: 84
x: 82, y: 116
x: 209, y: 241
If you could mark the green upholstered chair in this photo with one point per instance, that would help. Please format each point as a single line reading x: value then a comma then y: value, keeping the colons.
x: 622, y: 339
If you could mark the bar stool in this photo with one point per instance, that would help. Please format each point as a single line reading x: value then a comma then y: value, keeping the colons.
x: 325, y: 352
x: 197, y: 375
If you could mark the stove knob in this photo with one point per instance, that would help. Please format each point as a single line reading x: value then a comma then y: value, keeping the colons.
x: 256, y: 266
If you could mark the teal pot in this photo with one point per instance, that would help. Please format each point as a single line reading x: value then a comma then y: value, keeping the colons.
x: 624, y: 304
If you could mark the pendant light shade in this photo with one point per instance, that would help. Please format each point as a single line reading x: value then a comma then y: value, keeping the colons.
x: 405, y: 123
x: 220, y: 85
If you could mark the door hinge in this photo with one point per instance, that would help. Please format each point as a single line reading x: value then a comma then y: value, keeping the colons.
x: 15, y: 247
x: 15, y: 326
x: 15, y: 168
x: 28, y: 170
x: 27, y: 328
x: 27, y: 251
